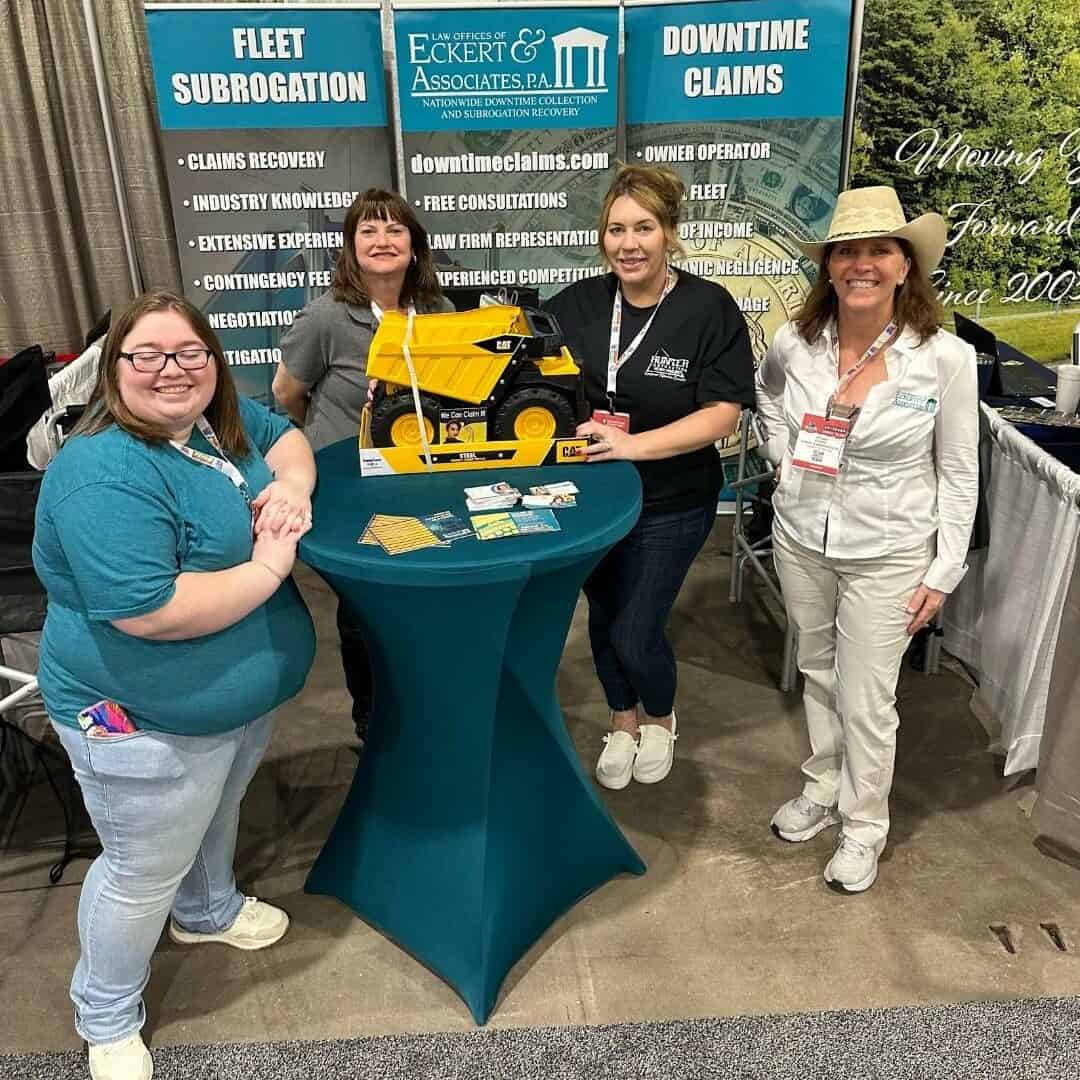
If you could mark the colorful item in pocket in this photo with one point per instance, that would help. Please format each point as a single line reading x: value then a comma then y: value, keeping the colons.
x: 105, y: 718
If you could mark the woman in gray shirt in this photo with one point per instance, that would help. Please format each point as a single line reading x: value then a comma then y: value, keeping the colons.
x: 385, y: 264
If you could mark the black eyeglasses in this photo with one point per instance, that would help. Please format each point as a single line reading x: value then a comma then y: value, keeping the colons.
x: 190, y: 359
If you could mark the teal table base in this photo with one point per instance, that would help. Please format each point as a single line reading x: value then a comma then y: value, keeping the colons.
x: 470, y: 826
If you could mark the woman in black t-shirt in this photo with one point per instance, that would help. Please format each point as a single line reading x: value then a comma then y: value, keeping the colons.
x: 667, y: 366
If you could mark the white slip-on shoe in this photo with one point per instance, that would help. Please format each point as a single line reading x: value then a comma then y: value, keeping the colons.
x: 257, y: 926
x: 853, y: 866
x: 656, y: 752
x: 616, y: 762
x: 125, y: 1059
x: 801, y: 819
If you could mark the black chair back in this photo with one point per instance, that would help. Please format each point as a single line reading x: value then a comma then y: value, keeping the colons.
x: 24, y: 399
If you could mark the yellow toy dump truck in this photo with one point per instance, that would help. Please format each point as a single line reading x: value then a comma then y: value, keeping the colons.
x: 496, y: 384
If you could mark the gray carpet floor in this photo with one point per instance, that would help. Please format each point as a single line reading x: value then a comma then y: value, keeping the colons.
x: 1014, y: 1040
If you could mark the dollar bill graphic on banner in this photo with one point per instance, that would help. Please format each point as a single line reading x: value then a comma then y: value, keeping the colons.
x: 272, y: 119
x: 508, y: 118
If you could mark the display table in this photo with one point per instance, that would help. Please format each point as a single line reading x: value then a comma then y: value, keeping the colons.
x: 470, y: 825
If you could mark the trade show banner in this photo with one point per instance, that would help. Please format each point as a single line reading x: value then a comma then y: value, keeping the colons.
x: 508, y: 116
x: 745, y: 100
x: 272, y: 118
x: 972, y: 110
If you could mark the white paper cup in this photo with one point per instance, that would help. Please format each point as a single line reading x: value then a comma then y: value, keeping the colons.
x: 1068, y: 388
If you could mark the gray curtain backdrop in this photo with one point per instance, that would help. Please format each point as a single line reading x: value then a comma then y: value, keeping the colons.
x: 62, y: 260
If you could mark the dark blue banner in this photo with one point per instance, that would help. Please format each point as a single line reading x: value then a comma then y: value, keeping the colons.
x: 273, y: 118
x: 746, y: 101
x: 508, y: 116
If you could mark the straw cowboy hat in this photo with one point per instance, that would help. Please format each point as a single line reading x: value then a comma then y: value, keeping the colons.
x: 875, y: 211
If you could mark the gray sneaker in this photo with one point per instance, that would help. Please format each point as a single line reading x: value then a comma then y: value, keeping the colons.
x: 853, y: 866
x: 801, y: 818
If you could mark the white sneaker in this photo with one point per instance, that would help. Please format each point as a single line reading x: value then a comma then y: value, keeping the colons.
x: 853, y: 866
x: 125, y: 1059
x: 656, y: 752
x: 257, y: 925
x: 802, y: 818
x: 616, y: 762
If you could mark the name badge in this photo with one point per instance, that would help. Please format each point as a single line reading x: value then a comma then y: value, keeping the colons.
x: 913, y: 401
x: 621, y: 420
x: 820, y: 445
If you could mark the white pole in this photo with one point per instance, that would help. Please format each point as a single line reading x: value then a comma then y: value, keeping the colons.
x: 854, y: 55
x: 110, y: 143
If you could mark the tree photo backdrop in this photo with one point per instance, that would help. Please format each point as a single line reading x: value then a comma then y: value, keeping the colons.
x: 971, y: 108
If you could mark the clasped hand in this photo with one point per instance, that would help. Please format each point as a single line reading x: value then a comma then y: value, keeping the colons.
x: 282, y: 509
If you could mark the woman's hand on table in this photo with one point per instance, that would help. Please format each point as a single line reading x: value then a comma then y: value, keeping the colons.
x: 923, y: 606
x: 282, y: 508
x: 607, y: 442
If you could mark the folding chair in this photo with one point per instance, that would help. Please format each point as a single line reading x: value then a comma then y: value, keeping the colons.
x: 754, y: 552
x: 745, y: 551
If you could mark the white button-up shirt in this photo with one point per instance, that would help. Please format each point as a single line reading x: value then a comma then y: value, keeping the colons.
x: 911, y: 465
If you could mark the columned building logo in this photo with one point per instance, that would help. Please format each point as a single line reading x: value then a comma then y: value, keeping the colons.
x: 566, y: 44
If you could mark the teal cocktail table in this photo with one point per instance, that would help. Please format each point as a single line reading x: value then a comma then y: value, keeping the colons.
x: 470, y: 825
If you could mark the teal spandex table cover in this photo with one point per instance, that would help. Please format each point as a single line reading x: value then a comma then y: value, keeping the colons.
x: 470, y: 825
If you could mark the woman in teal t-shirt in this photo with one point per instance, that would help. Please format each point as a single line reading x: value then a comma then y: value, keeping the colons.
x: 166, y: 535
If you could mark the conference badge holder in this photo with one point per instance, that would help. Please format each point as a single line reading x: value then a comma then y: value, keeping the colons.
x: 620, y: 420
x: 820, y: 445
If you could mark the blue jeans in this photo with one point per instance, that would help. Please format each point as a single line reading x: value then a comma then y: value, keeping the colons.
x: 631, y: 594
x: 166, y: 809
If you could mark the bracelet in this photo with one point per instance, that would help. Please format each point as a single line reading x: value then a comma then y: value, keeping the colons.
x: 259, y: 562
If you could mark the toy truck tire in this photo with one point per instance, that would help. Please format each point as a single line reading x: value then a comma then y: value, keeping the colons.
x: 535, y: 412
x: 393, y: 420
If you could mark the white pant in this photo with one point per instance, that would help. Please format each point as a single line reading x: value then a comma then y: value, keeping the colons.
x: 852, y: 622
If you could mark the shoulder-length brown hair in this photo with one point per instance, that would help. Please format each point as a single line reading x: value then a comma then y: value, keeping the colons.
x: 106, y: 406
x: 421, y: 282
x: 658, y: 190
x: 917, y: 305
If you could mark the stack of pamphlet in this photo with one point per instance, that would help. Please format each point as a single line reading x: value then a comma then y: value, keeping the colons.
x: 397, y: 535
x: 497, y: 496
x: 558, y: 496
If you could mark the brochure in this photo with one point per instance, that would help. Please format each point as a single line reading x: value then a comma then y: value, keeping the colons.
x: 516, y: 523
x: 447, y: 526
x: 399, y: 535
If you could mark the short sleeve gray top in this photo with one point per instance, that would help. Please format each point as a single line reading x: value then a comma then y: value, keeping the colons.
x: 326, y: 349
